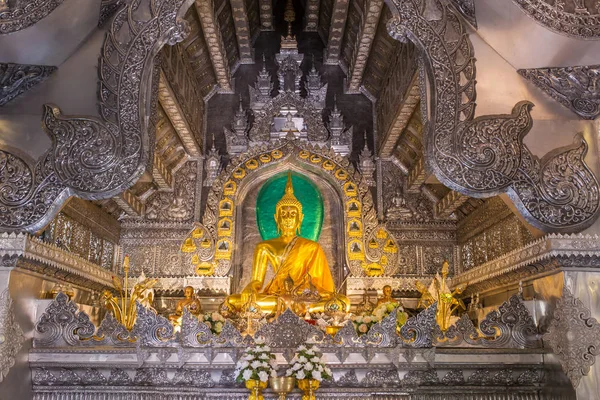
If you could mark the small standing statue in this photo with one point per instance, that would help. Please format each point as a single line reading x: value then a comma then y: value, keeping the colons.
x: 190, y: 302
x: 447, y: 301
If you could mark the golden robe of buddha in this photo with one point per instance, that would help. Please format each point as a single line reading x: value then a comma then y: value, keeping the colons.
x: 291, y: 257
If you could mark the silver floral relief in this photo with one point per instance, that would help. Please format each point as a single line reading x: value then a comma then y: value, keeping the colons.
x: 576, y: 18
x: 418, y: 330
x: 467, y: 9
x: 577, y: 88
x: 11, y: 335
x: 289, y: 331
x: 99, y: 158
x: 62, y: 324
x: 465, y: 153
x: 510, y: 326
x: 152, y: 329
x: 574, y: 336
x: 16, y: 79
x: 23, y: 14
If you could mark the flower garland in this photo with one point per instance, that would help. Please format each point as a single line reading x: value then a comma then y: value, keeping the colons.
x: 214, y: 320
x: 257, y: 363
x: 308, y: 364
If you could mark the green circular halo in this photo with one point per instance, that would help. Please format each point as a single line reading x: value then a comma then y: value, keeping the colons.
x: 305, y: 191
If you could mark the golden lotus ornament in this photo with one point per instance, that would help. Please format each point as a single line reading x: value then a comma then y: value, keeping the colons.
x: 308, y: 387
x: 282, y: 385
x: 255, y: 387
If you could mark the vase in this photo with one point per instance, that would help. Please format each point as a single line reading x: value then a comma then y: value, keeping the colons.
x: 308, y: 387
x: 255, y: 387
x: 282, y: 385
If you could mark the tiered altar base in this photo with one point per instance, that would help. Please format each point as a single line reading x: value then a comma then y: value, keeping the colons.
x: 72, y: 359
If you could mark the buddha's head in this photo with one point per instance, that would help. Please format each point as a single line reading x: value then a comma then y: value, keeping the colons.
x: 288, y: 211
x: 188, y: 292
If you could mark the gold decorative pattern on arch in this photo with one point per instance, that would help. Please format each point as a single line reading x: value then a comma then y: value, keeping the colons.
x: 360, y: 221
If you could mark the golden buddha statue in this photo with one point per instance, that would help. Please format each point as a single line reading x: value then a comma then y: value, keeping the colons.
x: 292, y: 258
x: 387, y: 296
x: 190, y: 302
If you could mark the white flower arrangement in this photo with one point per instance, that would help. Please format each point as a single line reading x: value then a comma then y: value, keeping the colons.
x: 308, y: 364
x: 214, y: 320
x: 257, y: 363
x: 363, y: 323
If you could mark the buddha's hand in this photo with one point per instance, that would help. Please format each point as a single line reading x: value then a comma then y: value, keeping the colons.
x: 249, y: 291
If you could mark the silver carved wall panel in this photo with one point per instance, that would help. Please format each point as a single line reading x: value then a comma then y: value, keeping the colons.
x: 465, y: 153
x: 574, y: 336
x: 97, y: 158
x: 577, y: 88
x: 576, y: 18
x: 16, y: 79
x: 25, y: 13
x: 68, y: 234
x: 179, y: 205
x: 11, y: 335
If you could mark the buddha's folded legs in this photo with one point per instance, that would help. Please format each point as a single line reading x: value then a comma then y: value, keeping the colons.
x: 266, y: 302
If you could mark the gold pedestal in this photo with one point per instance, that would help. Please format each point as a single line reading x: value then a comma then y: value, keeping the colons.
x: 282, y: 385
x: 256, y: 387
x: 308, y: 386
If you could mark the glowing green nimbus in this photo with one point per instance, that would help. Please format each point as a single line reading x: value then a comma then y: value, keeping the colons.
x: 305, y: 191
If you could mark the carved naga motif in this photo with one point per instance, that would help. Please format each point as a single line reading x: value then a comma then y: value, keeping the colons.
x: 95, y: 158
x: 486, y: 156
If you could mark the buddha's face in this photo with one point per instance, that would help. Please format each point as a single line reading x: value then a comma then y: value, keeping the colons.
x: 188, y: 292
x: 288, y: 219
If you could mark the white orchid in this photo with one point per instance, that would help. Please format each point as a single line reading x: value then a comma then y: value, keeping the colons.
x: 308, y: 366
x: 255, y: 364
x: 300, y: 375
x: 247, y: 375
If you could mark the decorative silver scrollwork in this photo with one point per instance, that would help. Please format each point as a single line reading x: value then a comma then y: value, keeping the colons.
x: 25, y: 13
x: 62, y: 324
x: 193, y: 332
x: 577, y: 20
x: 152, y: 329
x: 289, y: 331
x: 98, y: 158
x: 383, y: 333
x: 466, y: 154
x: 574, y: 336
x: 577, y: 88
x: 111, y: 332
x: 418, y: 330
x: 11, y: 335
x: 16, y: 79
x: 511, y: 326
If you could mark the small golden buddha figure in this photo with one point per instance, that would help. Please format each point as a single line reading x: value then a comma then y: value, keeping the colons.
x: 190, y: 302
x: 289, y: 299
x: 387, y: 296
x: 302, y: 260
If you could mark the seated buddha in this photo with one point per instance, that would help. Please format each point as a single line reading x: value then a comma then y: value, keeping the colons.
x: 387, y: 296
x: 190, y: 302
x: 293, y: 259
